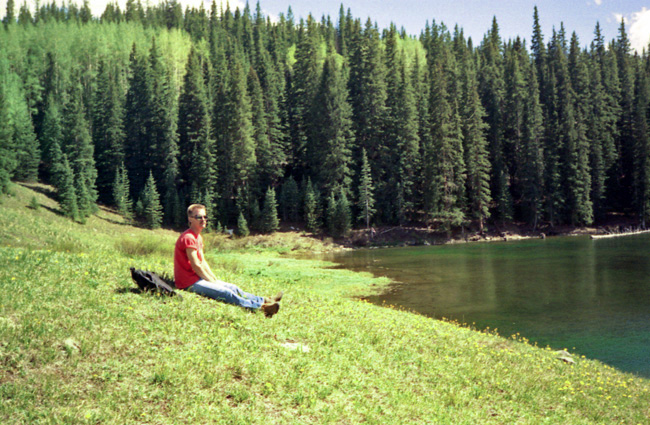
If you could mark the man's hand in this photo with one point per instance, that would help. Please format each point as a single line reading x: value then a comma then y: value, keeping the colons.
x: 201, y: 268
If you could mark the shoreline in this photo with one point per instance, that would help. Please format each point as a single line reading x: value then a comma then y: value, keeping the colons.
x: 403, y: 236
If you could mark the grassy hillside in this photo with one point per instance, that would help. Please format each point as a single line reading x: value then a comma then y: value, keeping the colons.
x: 79, y: 346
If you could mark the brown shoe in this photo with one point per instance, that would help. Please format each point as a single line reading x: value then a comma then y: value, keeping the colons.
x: 270, y: 309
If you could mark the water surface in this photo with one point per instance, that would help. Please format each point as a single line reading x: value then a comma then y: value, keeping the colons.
x: 589, y: 296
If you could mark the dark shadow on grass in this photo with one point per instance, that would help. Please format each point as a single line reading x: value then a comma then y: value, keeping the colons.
x: 53, y: 210
x: 119, y: 223
x: 50, y: 193
x: 161, y: 295
x: 129, y: 291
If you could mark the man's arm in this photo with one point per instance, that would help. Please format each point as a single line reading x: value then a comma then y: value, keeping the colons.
x: 201, y: 268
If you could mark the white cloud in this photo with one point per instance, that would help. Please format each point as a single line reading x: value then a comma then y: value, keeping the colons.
x: 598, y: 2
x: 638, y: 27
x: 619, y: 16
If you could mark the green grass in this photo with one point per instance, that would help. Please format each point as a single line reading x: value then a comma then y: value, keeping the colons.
x: 78, y: 346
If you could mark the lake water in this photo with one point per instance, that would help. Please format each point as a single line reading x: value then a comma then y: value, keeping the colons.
x: 589, y: 296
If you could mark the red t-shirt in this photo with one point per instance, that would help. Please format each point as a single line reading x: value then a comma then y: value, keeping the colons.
x: 184, y: 275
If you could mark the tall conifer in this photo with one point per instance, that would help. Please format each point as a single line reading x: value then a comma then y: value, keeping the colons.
x: 270, y: 222
x: 625, y: 140
x: 642, y: 144
x: 108, y: 129
x: 304, y: 80
x: 238, y: 146
x: 8, y: 161
x: 66, y: 192
x: 151, y: 207
x: 367, y: 86
x: 581, y: 207
x: 330, y: 146
x: 164, y: 131
x: 121, y: 193
x: 492, y: 94
x: 311, y: 209
x: 366, y: 201
x: 197, y: 150
x: 475, y: 147
x: 78, y: 145
x: 532, y: 153
x: 137, y: 121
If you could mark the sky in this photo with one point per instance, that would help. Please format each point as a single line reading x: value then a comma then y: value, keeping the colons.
x: 515, y: 17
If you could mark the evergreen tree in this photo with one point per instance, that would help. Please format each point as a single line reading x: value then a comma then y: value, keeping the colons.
x: 10, y: 14
x: 261, y: 139
x: 197, y: 150
x: 312, y: 216
x: 121, y: 197
x: 8, y: 161
x: 330, y: 214
x: 66, y: 192
x: 540, y: 56
x: 137, y: 121
x: 555, y: 138
x: 151, y: 207
x: 366, y: 201
x: 492, y: 92
x: 393, y: 124
x: 303, y: 86
x: 290, y: 200
x: 421, y: 89
x: 343, y: 216
x: 367, y: 86
x: 79, y: 148
x: 329, y: 150
x: 52, y: 134
x: 238, y: 145
x: 532, y: 154
x: 256, y: 220
x: 85, y: 14
x: 408, y: 140
x: 164, y: 126
x: 272, y: 160
x: 444, y: 164
x: 400, y: 155
x: 475, y: 148
x: 25, y: 15
x: 84, y: 202
x: 28, y: 154
x: 108, y: 129
x: 625, y: 140
x: 579, y: 173
x: 602, y: 120
x: 270, y: 222
x: 57, y: 171
x: 642, y: 146
x: 242, y: 226
x: 515, y: 97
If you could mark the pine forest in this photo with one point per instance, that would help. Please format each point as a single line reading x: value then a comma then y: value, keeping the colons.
x: 328, y: 124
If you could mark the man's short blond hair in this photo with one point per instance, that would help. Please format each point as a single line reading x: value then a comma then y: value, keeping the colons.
x: 194, y: 207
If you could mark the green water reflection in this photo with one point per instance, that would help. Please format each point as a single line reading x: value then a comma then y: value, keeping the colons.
x: 589, y: 296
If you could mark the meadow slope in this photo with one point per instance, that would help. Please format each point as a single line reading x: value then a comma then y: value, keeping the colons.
x: 78, y: 345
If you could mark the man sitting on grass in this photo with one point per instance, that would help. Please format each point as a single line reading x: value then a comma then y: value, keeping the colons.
x: 192, y: 272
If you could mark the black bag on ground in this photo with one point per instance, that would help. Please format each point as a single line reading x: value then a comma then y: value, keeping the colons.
x: 150, y: 281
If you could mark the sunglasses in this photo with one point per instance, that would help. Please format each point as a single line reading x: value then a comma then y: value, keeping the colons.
x: 201, y: 217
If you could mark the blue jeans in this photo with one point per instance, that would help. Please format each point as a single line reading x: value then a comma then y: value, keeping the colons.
x: 226, y: 292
